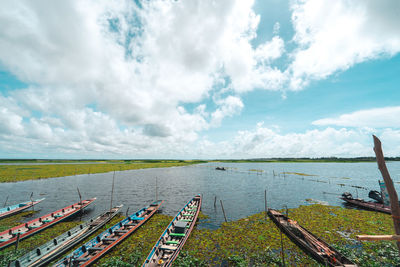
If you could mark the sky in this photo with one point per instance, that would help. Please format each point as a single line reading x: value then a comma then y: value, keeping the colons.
x: 199, y: 79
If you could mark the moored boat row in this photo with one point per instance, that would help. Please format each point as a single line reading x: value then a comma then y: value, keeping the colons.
x: 167, y: 247
x: 10, y: 236
x: 92, y: 250
x: 102, y: 243
x: 57, y: 246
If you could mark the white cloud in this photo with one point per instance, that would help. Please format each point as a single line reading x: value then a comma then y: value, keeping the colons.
x: 334, y: 36
x: 227, y: 108
x: 104, y: 72
x: 113, y: 78
x: 375, y: 118
x: 266, y: 142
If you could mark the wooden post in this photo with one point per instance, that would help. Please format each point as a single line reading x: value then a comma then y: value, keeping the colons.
x: 282, y: 251
x: 33, y: 209
x: 223, y: 211
x: 9, y: 195
x: 127, y: 212
x: 156, y: 189
x: 394, y: 200
x: 112, y: 191
x: 265, y: 202
x: 215, y: 202
x: 16, y: 244
x: 80, y: 197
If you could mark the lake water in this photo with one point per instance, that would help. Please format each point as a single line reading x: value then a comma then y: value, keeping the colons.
x: 241, y: 188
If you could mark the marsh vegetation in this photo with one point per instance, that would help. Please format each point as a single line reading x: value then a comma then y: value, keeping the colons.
x: 251, y: 240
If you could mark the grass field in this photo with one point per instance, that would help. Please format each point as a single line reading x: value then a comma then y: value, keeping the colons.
x: 14, y: 173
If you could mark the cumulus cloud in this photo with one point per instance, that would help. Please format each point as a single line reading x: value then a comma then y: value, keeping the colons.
x: 334, y: 36
x: 117, y: 77
x: 375, y: 118
x: 227, y: 108
x: 266, y: 142
x: 121, y: 70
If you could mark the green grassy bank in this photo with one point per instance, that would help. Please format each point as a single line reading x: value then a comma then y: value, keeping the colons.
x: 14, y: 173
x: 248, y: 241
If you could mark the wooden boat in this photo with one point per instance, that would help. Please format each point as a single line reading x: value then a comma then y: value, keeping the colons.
x: 220, y: 168
x: 54, y: 248
x: 309, y: 243
x: 104, y: 242
x: 14, y: 209
x: 174, y: 237
x: 370, y: 205
x: 25, y: 230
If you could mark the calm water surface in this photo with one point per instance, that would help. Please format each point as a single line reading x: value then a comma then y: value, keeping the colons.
x: 241, y: 188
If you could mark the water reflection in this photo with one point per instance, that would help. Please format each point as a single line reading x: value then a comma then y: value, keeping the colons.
x: 241, y: 190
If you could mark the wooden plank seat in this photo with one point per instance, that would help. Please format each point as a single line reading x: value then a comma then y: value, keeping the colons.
x: 172, y: 242
x: 121, y: 231
x: 177, y: 234
x: 166, y: 247
x: 187, y: 220
x: 92, y: 249
x: 107, y: 239
x: 137, y: 218
x: 80, y: 260
x: 46, y: 220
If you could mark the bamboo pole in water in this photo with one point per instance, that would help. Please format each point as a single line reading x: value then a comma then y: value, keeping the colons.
x: 394, y: 200
x: 33, y: 209
x: 112, y: 191
x: 265, y: 202
x: 223, y: 211
x: 8, y: 196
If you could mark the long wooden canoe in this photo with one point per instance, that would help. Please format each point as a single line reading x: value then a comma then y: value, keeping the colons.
x: 59, y: 245
x: 174, y: 237
x: 14, y: 209
x: 25, y: 230
x: 308, y: 242
x: 369, y: 205
x: 104, y: 242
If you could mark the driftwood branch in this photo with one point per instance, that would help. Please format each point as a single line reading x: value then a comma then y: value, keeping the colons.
x: 378, y: 237
x: 394, y: 200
